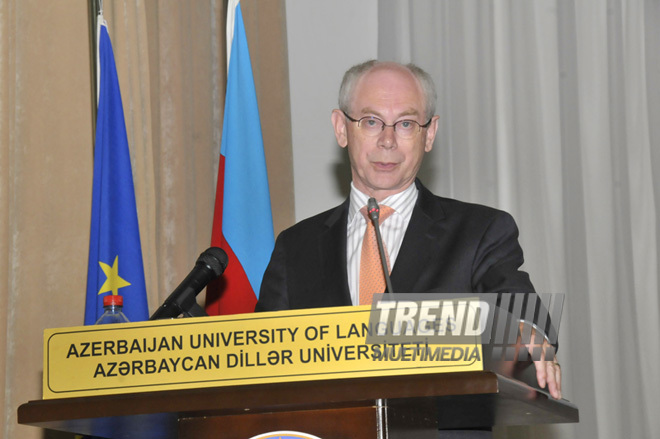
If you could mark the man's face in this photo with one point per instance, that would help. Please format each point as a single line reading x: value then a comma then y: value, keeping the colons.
x: 385, y: 164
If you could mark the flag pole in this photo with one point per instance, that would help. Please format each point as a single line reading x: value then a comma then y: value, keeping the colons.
x: 95, y: 8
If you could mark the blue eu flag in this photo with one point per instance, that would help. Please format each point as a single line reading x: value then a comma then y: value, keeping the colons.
x: 115, y: 256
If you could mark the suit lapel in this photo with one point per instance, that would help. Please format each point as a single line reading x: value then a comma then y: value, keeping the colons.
x: 416, y: 250
x: 332, y: 249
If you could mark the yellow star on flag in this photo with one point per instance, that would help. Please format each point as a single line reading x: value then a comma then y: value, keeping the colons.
x: 113, y: 281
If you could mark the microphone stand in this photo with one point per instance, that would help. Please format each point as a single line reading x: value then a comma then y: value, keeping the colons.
x: 374, y: 213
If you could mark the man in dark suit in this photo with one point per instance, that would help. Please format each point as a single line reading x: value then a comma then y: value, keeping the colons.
x: 386, y: 122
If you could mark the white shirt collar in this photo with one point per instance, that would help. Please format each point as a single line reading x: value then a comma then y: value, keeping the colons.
x: 401, y: 202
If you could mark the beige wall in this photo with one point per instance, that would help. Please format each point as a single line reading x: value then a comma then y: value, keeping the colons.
x: 171, y: 62
x: 45, y: 186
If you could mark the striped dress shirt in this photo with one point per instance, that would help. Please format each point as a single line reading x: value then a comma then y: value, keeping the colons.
x: 392, y: 230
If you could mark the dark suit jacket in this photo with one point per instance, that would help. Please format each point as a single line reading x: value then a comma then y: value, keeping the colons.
x: 449, y: 245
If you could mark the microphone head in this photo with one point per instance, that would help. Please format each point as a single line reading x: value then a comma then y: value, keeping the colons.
x: 372, y: 209
x: 214, y: 258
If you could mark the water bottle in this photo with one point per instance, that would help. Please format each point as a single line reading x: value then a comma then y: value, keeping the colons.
x: 112, y: 305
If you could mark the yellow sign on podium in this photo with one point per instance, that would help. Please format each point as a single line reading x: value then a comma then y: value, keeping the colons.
x: 283, y: 346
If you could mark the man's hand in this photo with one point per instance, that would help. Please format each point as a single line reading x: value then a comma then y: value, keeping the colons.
x: 548, y: 371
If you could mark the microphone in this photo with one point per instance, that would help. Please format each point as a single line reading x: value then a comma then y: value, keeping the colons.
x: 374, y: 213
x: 209, y: 265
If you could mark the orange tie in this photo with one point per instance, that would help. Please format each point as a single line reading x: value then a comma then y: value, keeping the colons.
x: 372, y: 278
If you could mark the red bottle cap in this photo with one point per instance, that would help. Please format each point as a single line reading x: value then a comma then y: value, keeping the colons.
x: 111, y: 299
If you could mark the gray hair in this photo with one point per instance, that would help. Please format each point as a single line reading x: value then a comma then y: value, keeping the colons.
x: 356, y: 72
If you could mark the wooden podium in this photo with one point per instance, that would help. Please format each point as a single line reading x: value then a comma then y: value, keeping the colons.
x: 382, y: 407
x: 356, y: 396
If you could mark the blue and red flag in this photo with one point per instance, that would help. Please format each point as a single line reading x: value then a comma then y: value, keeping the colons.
x: 242, y: 222
x: 115, y: 255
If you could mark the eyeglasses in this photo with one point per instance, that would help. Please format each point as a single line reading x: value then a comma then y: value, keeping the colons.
x: 373, y: 126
